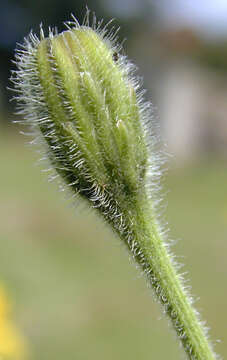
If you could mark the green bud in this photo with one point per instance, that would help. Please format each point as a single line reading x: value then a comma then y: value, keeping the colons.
x: 85, y: 102
x: 80, y: 94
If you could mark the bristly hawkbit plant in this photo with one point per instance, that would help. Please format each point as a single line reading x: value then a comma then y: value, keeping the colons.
x: 82, y: 96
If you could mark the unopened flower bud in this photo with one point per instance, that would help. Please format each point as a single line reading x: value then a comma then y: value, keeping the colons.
x: 86, y: 105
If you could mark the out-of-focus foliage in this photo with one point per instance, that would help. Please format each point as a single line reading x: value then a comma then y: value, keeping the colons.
x: 214, y: 56
x: 185, y: 44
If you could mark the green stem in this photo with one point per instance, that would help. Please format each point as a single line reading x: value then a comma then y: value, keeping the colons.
x: 149, y: 251
x: 90, y: 112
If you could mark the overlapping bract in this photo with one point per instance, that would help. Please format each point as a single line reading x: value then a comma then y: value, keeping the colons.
x: 85, y: 102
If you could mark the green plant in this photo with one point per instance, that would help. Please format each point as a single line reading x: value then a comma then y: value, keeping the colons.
x: 80, y: 94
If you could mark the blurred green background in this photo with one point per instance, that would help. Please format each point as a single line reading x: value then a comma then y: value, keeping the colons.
x: 75, y: 293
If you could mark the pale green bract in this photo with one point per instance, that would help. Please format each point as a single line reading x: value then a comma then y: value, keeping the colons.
x: 81, y: 94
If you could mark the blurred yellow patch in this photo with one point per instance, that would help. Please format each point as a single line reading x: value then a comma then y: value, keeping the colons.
x: 12, y: 344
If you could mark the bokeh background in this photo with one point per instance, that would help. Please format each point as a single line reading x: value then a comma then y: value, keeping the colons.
x: 74, y: 293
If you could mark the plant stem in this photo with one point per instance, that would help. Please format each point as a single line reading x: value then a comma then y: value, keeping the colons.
x: 149, y: 251
x: 91, y: 114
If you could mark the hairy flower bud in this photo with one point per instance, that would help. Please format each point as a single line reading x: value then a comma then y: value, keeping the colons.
x: 80, y: 93
x: 85, y: 102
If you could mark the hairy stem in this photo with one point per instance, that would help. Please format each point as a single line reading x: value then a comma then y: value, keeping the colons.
x: 79, y: 93
x: 150, y: 253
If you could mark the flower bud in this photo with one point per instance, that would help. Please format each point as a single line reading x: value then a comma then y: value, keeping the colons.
x: 79, y: 92
x: 84, y: 101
